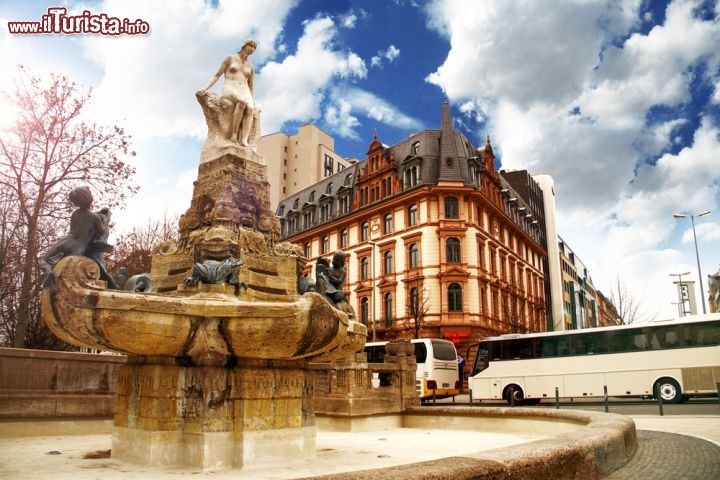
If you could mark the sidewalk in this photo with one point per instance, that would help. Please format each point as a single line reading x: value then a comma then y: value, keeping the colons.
x: 672, y: 447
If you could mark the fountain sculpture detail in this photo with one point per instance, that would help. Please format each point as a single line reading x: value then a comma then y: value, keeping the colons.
x: 216, y: 375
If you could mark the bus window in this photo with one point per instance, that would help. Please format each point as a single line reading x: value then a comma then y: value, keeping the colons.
x: 707, y: 335
x: 563, y: 347
x: 639, y: 342
x: 442, y: 351
x: 420, y: 353
x: 548, y: 347
x: 481, y: 361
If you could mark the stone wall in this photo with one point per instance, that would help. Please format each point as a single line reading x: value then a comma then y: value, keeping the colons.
x: 39, y: 383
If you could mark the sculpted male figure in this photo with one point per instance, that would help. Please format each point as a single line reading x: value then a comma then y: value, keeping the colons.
x: 238, y: 87
x: 87, y: 229
x: 88, y: 235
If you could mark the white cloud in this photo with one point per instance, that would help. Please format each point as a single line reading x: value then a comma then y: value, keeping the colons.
x: 390, y: 54
x: 150, y: 80
x: 299, y: 79
x: 378, y: 109
x: 339, y: 116
x: 565, y: 96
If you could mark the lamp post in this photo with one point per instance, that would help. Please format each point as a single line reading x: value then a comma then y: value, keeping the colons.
x: 372, y: 292
x: 681, y: 300
x: 697, y: 255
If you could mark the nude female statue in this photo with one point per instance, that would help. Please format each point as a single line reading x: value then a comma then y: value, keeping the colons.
x: 238, y: 87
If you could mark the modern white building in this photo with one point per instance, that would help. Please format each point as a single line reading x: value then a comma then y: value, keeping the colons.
x: 297, y: 161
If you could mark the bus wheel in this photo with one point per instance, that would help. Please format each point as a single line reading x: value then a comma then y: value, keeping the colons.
x: 514, y: 394
x: 669, y: 390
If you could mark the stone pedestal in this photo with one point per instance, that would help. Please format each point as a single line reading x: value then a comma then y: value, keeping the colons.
x: 343, y: 388
x: 256, y: 413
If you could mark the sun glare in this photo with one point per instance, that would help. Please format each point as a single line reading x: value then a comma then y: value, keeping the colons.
x: 7, y: 113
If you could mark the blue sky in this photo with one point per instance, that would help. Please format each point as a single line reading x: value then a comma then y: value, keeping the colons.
x: 618, y: 100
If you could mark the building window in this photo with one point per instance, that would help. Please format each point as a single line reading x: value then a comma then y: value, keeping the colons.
x: 411, y: 176
x: 307, y: 250
x: 454, y: 298
x: 343, y: 204
x: 388, y: 301
x: 414, y: 256
x: 364, y: 268
x: 348, y: 179
x: 328, y: 189
x: 412, y: 215
x: 311, y: 198
x: 452, y: 250
x: 296, y: 203
x: 364, y: 232
x: 388, y: 262
x: 328, y: 165
x: 364, y: 310
x: 451, y: 207
x: 387, y: 223
x: 344, y: 238
x: 325, y: 245
x: 415, y: 149
x: 414, y: 302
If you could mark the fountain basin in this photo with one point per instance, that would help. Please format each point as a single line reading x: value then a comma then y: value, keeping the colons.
x: 427, y: 442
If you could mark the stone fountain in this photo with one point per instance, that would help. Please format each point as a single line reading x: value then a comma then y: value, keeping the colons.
x: 217, y: 354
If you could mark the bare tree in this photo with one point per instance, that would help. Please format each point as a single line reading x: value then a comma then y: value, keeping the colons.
x: 51, y: 149
x: 417, y: 307
x: 133, y: 250
x: 628, y: 309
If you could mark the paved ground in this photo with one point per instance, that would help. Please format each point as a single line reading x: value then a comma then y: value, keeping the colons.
x: 662, y: 455
x: 669, y: 447
x: 674, y: 447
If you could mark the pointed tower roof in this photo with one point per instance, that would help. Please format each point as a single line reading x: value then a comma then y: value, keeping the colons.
x: 449, y: 160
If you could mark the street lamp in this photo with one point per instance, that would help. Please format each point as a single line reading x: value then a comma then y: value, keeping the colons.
x: 680, y: 296
x: 697, y: 255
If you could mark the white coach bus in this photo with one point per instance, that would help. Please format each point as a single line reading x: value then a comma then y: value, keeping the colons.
x: 681, y: 357
x: 437, y: 366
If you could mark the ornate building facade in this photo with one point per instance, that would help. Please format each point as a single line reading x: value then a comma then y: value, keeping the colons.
x: 438, y: 243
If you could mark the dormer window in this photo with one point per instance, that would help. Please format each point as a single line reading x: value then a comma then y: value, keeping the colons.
x: 415, y: 148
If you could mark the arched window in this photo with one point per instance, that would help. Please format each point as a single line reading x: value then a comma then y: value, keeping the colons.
x: 296, y: 203
x: 451, y: 208
x: 454, y: 298
x: 452, y: 250
x: 364, y: 231
x: 312, y: 197
x: 328, y: 190
x: 388, y: 302
x: 364, y: 310
x: 343, y: 238
x: 412, y: 215
x: 388, y: 262
x: 414, y: 260
x: 307, y: 250
x: 387, y: 223
x: 364, y: 270
x: 325, y: 245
